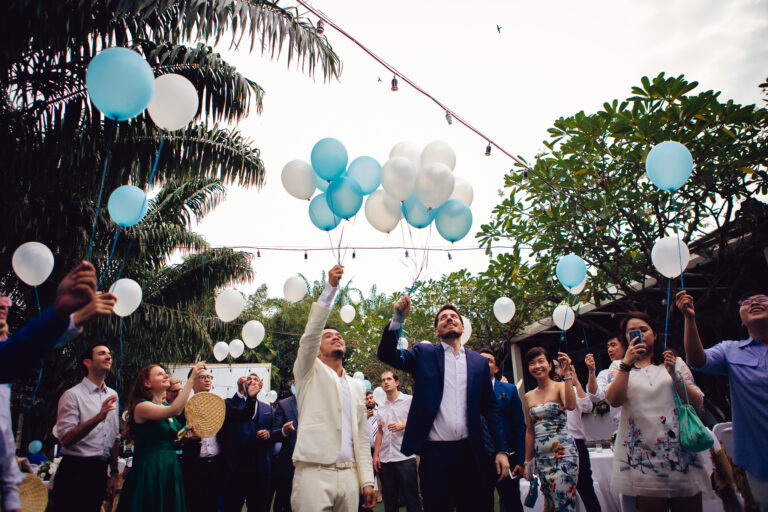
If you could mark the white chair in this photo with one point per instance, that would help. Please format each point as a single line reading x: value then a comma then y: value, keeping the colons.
x: 724, y: 432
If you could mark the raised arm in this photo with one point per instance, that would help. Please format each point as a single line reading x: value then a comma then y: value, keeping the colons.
x: 151, y: 411
x: 592, y: 380
x: 239, y: 414
x: 694, y: 350
x: 388, y: 352
x: 566, y: 392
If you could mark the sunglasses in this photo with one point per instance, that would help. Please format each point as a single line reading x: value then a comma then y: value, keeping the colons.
x: 759, y: 299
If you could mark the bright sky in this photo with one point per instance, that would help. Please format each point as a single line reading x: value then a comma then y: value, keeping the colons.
x: 552, y: 58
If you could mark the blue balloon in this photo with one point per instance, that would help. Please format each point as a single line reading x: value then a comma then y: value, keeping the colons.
x: 120, y: 83
x: 453, y: 220
x: 344, y: 196
x: 293, y: 389
x: 416, y: 214
x: 366, y: 171
x: 127, y: 205
x: 322, y: 185
x: 669, y: 165
x: 35, y: 447
x: 329, y: 158
x: 571, y: 270
x: 321, y: 215
x: 367, y: 384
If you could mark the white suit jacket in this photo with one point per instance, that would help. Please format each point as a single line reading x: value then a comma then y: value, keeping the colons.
x: 318, y: 396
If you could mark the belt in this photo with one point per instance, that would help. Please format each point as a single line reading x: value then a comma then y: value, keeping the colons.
x: 84, y: 460
x: 332, y: 465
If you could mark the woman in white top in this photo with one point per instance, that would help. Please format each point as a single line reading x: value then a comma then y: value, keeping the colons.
x: 596, y: 384
x: 649, y: 461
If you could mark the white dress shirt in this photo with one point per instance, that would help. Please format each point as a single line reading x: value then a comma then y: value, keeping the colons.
x: 347, y: 453
x: 78, y: 405
x: 575, y: 424
x: 373, y: 425
x: 393, y: 412
x: 451, y: 421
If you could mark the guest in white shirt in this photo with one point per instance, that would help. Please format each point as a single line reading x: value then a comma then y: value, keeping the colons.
x: 332, y: 454
x: 398, y: 472
x: 596, y: 385
x: 88, y: 427
x: 371, y: 411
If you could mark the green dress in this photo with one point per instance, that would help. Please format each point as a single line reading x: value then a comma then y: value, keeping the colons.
x: 154, y: 482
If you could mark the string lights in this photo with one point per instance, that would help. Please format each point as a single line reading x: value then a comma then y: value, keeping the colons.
x: 448, y: 117
x: 394, y: 83
x: 488, y: 150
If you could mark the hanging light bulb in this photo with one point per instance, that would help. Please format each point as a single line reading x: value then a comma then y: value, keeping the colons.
x: 488, y: 149
x: 450, y: 258
x: 394, y: 83
x: 353, y: 254
x: 320, y: 27
x: 406, y: 253
x: 258, y: 253
x: 525, y: 175
x: 306, y: 256
x: 448, y: 117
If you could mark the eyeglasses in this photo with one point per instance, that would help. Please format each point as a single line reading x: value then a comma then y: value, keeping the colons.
x: 205, y: 377
x: 759, y: 299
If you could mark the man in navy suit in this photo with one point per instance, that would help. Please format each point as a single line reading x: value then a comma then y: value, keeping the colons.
x: 514, y: 432
x: 284, y: 427
x: 246, y: 447
x: 451, y: 393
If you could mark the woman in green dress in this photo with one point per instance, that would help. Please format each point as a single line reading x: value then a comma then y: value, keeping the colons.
x: 154, y: 483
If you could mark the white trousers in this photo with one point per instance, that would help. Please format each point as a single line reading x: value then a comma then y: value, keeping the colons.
x: 325, y: 488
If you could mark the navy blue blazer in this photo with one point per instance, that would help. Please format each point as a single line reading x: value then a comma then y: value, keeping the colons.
x: 426, y: 362
x: 514, y: 420
x: 23, y: 350
x: 287, y: 410
x: 238, y: 440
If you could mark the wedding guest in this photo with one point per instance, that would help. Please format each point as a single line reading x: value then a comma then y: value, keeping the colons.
x: 596, y: 384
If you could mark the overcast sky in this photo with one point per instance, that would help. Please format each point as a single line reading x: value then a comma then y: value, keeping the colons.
x: 552, y: 58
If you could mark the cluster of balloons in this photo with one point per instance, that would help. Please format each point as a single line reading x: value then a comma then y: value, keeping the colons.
x: 571, y: 271
x: 229, y: 306
x: 418, y: 185
x: 121, y: 84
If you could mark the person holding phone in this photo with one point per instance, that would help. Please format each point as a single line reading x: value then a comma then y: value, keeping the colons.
x: 649, y: 461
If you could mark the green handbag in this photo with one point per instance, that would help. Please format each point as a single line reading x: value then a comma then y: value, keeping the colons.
x: 694, y: 436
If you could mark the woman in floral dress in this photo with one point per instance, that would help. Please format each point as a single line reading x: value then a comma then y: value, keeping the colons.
x: 649, y: 461
x: 547, y: 435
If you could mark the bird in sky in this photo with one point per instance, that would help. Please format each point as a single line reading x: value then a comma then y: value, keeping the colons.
x: 498, y: 28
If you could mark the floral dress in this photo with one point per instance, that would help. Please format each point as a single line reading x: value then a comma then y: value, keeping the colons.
x: 556, y: 456
x: 649, y: 459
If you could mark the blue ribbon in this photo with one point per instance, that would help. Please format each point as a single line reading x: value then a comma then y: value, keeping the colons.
x: 110, y: 137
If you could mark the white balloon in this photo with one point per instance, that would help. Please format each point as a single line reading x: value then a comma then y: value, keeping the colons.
x: 670, y: 255
x: 382, y: 211
x: 55, y: 431
x: 379, y: 395
x: 438, y: 151
x: 398, y: 178
x: 563, y: 316
x: 125, y: 416
x: 425, y: 341
x: 294, y: 289
x: 358, y: 376
x: 407, y: 150
x: 402, y: 342
x: 174, y: 102
x: 221, y: 350
x: 467, y: 330
x: 229, y: 304
x: 253, y: 333
x: 434, y: 184
x: 263, y: 395
x: 463, y: 191
x: 236, y: 348
x: 578, y: 288
x: 128, y: 293
x: 347, y: 313
x: 299, y: 179
x: 504, y: 309
x: 272, y: 396
x: 32, y: 262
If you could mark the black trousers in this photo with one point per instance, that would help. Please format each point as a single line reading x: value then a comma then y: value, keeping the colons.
x: 399, y: 479
x: 282, y: 485
x: 509, y: 494
x: 246, y: 484
x: 203, y: 480
x: 80, y: 484
x: 451, y: 478
x: 585, y: 487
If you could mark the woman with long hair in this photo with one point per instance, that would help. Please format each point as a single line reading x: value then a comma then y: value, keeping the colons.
x: 155, y: 483
x: 546, y: 435
x: 649, y: 461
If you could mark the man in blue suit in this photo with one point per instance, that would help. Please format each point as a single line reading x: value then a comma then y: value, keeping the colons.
x: 451, y: 393
x: 284, y: 427
x: 514, y: 432
x: 246, y: 447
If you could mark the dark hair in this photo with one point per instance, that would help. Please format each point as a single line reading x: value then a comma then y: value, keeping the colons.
x: 487, y: 350
x: 658, y: 344
x: 331, y: 327
x: 88, y: 354
x: 139, y: 393
x: 616, y: 335
x: 535, y: 352
x: 749, y: 294
x: 394, y: 376
x: 443, y: 308
x: 189, y: 373
x: 368, y: 392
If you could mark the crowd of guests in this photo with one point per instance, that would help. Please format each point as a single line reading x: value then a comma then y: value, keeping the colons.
x: 462, y: 436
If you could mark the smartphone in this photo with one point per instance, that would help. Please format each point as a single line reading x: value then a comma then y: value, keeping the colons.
x: 635, y: 336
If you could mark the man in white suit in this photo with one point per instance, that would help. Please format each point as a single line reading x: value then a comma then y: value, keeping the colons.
x: 332, y: 454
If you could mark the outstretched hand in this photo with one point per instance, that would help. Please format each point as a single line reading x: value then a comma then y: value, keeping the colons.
x: 335, y: 274
x: 102, y: 304
x: 403, y: 306
x: 75, y: 290
x: 684, y: 303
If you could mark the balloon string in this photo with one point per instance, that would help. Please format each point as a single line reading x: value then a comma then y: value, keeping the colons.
x: 400, y: 329
x: 341, y: 237
x: 202, y: 275
x: 502, y: 350
x: 679, y: 254
x: 101, y: 188
x: 37, y: 298
x: 109, y: 259
x: 563, y: 336
x: 117, y: 379
x: 125, y: 258
x: 37, y: 385
x: 666, y: 321
x: 154, y: 167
